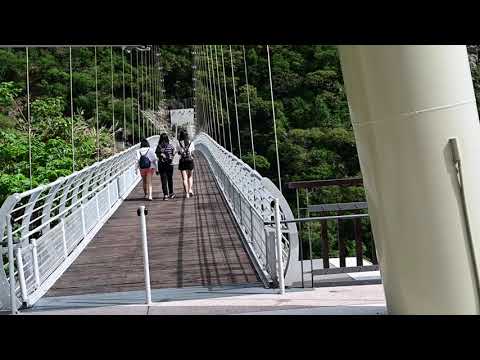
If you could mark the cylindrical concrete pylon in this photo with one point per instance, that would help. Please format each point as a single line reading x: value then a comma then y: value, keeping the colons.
x: 406, y: 102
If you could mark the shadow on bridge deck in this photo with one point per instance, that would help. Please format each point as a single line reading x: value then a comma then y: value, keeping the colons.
x: 192, y: 242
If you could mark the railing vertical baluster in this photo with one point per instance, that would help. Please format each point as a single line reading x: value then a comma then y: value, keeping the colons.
x: 300, y: 241
x: 358, y: 241
x: 341, y: 246
x: 97, y: 207
x: 325, y: 246
x: 21, y: 274
x: 36, y: 271
x: 64, y: 238
x: 11, y: 266
x: 309, y: 240
x: 84, y: 225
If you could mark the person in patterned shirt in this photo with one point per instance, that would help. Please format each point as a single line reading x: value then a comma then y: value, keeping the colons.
x: 165, y: 153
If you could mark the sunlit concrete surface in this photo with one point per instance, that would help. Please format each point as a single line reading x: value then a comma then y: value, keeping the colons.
x: 340, y: 300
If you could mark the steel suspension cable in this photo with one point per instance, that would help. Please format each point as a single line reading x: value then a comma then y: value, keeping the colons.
x: 131, y: 97
x: 235, y: 101
x: 138, y: 101
x: 214, y: 96
x: 226, y: 99
x: 201, y: 90
x: 143, y: 95
x: 113, y: 101
x: 71, y: 107
x: 124, y: 104
x: 220, y: 97
x: 154, y: 85
x: 147, y: 97
x: 213, y: 128
x: 29, y: 119
x: 212, y: 107
x: 249, y: 111
x: 274, y: 120
x: 96, y: 103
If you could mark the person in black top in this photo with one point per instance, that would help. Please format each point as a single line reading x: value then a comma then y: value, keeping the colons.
x: 185, y: 164
x: 165, y: 153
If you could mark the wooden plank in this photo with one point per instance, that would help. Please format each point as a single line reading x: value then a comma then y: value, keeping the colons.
x: 192, y: 242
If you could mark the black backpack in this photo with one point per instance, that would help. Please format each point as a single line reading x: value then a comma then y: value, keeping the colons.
x: 167, y: 160
x: 144, y: 161
x: 186, y: 156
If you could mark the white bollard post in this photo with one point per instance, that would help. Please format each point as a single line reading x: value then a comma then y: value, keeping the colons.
x: 143, y: 228
x: 278, y: 244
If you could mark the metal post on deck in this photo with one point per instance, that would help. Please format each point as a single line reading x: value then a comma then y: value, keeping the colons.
x: 141, y: 211
x: 278, y: 244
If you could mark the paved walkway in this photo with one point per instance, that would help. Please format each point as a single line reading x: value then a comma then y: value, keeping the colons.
x: 192, y: 242
x: 342, y: 300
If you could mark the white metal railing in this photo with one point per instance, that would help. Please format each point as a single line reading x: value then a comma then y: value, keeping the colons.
x: 50, y: 225
x: 251, y: 200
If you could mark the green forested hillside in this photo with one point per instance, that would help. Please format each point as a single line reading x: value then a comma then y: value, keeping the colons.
x: 315, y: 135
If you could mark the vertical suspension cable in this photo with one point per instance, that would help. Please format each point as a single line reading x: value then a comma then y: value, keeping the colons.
x: 143, y: 95
x: 28, y: 118
x: 124, y: 104
x: 274, y: 120
x: 226, y: 99
x: 138, y: 101
x: 249, y: 111
x: 235, y: 101
x: 147, y: 90
x: 209, y: 90
x: 113, y: 101
x: 220, y: 97
x: 209, y: 100
x: 214, y: 90
x: 71, y: 107
x: 96, y: 104
x: 131, y: 96
x: 154, y: 86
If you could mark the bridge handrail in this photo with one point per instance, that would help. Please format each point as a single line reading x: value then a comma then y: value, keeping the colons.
x: 243, y: 187
x: 53, y: 223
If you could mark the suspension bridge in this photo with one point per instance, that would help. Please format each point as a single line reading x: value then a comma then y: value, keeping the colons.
x: 77, y: 240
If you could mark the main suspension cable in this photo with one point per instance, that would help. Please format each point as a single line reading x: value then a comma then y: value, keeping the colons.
x: 249, y: 111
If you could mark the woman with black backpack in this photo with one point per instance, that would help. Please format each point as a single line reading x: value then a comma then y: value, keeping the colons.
x: 165, y: 153
x: 147, y: 163
x: 185, y: 164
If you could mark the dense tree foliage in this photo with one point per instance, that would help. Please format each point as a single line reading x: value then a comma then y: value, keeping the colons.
x: 315, y: 136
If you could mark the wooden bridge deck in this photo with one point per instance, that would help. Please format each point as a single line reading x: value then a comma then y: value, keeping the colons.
x: 192, y: 242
